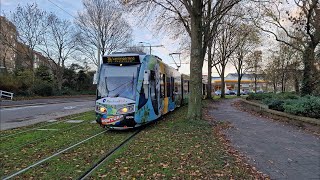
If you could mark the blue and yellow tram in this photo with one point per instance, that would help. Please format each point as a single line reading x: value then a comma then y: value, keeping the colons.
x: 135, y: 89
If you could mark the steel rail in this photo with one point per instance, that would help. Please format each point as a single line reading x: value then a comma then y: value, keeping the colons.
x: 54, y: 155
x: 106, y: 156
x: 47, y: 136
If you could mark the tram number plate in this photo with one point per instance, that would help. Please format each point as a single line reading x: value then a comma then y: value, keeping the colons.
x: 110, y: 119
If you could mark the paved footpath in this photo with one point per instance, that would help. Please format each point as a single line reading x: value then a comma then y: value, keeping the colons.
x: 279, y: 150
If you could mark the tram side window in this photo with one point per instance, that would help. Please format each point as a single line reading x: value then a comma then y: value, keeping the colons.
x: 168, y: 87
x: 185, y: 87
x: 172, y: 86
x: 162, y: 83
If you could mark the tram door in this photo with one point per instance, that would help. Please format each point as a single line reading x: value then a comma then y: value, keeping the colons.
x: 154, y: 93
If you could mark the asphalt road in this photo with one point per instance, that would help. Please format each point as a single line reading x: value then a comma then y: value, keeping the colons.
x: 23, y: 113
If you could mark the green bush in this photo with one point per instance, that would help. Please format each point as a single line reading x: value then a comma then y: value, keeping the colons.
x: 308, y: 106
x: 259, y: 96
x: 286, y: 95
x: 274, y: 104
x: 9, y: 83
x: 43, y: 89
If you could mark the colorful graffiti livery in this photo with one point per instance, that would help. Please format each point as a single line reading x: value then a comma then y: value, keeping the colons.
x: 131, y: 94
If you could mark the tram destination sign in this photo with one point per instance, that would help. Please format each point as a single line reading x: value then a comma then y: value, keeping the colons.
x: 121, y: 60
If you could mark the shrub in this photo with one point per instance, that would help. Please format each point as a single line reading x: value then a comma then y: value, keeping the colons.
x: 274, y: 104
x: 259, y: 96
x: 9, y: 83
x: 43, y: 89
x: 286, y: 95
x: 308, y: 106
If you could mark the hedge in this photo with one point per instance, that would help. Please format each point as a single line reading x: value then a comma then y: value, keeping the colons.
x: 308, y: 106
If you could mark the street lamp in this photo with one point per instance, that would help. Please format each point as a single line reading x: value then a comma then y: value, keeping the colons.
x: 147, y: 43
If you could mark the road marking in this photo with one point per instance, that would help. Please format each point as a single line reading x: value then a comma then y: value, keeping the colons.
x: 72, y: 107
x: 69, y: 107
x: 47, y: 129
x: 17, y: 108
x: 74, y: 121
x: 52, y: 120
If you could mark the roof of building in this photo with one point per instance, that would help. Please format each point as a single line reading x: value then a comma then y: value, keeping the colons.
x: 234, y: 76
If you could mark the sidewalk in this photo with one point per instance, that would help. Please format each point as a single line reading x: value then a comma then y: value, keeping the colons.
x: 279, y: 150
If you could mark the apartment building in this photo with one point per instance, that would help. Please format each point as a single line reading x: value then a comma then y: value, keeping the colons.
x: 8, y: 44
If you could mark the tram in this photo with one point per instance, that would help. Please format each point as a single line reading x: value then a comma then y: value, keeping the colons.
x: 135, y: 89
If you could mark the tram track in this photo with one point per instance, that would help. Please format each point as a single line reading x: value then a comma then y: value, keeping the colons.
x: 52, y: 156
x: 107, y: 155
x: 88, y: 171
x: 41, y: 138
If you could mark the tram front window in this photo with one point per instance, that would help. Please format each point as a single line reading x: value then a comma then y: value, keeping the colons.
x: 118, y: 81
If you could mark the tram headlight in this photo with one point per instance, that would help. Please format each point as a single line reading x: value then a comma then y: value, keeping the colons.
x: 103, y: 110
x: 125, y: 110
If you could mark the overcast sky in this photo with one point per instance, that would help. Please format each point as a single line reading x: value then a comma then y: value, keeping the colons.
x: 67, y: 9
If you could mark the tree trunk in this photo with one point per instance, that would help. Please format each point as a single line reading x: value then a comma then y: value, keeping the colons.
x: 59, y: 76
x: 296, y: 84
x: 255, y: 83
x: 223, y: 89
x: 209, y: 88
x: 239, y: 84
x: 309, y: 70
x: 196, y: 63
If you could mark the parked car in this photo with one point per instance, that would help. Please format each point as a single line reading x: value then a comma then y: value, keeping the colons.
x: 230, y: 92
x: 217, y: 92
x: 260, y: 91
x: 244, y: 92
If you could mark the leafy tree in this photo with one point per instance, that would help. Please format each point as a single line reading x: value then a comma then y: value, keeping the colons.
x: 199, y: 19
x: 43, y: 73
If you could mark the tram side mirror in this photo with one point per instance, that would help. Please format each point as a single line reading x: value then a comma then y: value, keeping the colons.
x: 146, y: 78
x: 95, y: 78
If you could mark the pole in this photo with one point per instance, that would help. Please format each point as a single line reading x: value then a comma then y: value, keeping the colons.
x: 149, y: 46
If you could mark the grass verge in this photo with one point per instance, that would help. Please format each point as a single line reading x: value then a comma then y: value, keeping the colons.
x: 14, y: 157
x: 174, y: 148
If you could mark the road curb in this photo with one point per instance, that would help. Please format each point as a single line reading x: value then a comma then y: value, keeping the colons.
x: 265, y: 109
x: 35, y: 104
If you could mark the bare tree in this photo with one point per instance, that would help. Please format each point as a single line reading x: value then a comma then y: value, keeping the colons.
x: 307, y: 23
x: 58, y: 45
x: 284, y: 67
x: 255, y: 60
x: 135, y: 49
x: 200, y: 19
x: 101, y: 29
x: 227, y: 44
x: 30, y: 22
x: 248, y: 39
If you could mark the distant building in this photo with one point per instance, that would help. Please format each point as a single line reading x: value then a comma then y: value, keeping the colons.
x: 14, y: 54
x: 8, y: 43
x: 247, y: 82
x: 28, y: 59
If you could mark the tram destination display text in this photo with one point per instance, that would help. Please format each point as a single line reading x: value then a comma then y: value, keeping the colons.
x: 121, y: 60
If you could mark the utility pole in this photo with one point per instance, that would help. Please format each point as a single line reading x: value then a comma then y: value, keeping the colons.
x: 150, y: 46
